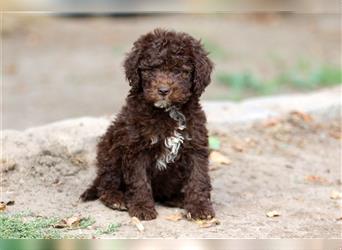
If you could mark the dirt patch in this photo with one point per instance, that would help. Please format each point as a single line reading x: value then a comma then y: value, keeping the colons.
x: 56, y: 68
x: 50, y: 165
x: 286, y: 166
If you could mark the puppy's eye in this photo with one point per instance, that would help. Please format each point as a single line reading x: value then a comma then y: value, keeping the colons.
x: 180, y: 72
x: 185, y: 74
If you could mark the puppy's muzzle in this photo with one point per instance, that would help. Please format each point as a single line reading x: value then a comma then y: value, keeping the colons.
x: 163, y: 91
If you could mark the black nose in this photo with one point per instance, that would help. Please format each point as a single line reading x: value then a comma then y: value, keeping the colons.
x: 163, y: 91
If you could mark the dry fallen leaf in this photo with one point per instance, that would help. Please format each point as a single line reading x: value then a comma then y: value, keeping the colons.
x: 335, y: 195
x: 78, y: 160
x: 273, y: 213
x: 338, y: 219
x: 336, y: 134
x: 138, y: 224
x: 204, y: 223
x: 10, y: 203
x: 303, y: 116
x: 174, y: 217
x: 207, y: 223
x: 316, y: 179
x: 271, y: 122
x: 7, y: 203
x: 7, y: 165
x: 2, y: 206
x: 238, y: 147
x: 60, y: 225
x: 217, y: 157
x: 71, y: 222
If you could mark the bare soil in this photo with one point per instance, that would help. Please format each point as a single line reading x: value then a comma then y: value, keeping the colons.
x: 290, y: 164
x: 57, y: 68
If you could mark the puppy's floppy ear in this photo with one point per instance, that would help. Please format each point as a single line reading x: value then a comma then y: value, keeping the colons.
x: 202, y: 68
x: 131, y: 67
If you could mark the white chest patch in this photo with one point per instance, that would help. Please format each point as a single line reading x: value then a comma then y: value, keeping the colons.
x: 172, y: 143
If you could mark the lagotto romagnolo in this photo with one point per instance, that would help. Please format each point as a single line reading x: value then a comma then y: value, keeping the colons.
x: 156, y: 150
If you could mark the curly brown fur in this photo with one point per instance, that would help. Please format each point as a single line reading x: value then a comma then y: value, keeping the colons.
x: 166, y: 70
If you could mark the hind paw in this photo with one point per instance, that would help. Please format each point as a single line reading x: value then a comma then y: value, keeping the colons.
x: 89, y: 195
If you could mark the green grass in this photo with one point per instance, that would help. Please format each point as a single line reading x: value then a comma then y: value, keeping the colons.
x: 86, y: 222
x: 28, y: 226
x: 110, y: 229
x: 216, y: 51
x: 23, y: 226
x: 302, y: 77
x: 214, y: 143
x: 311, y: 78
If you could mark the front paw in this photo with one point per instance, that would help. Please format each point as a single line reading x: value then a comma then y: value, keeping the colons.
x: 200, y: 212
x: 114, y: 200
x: 143, y: 212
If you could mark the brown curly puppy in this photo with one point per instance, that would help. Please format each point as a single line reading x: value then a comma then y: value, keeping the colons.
x: 157, y: 148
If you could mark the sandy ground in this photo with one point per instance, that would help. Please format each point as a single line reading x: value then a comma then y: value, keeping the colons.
x: 288, y: 163
x: 58, y: 68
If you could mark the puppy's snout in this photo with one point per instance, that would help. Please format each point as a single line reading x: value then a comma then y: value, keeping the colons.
x: 163, y: 91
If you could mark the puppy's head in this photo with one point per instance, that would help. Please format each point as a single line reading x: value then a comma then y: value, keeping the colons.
x: 168, y: 67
